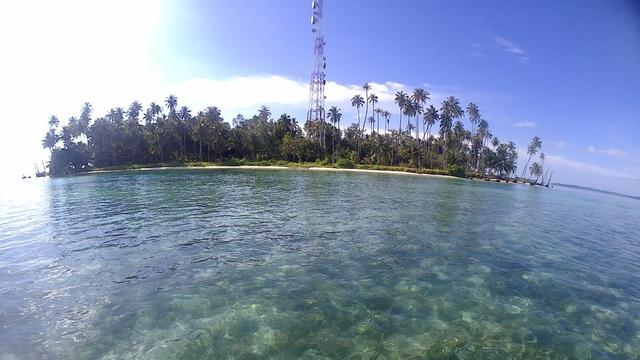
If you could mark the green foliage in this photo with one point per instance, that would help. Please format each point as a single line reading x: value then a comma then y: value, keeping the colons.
x: 345, y: 163
x: 455, y: 170
x: 120, y: 140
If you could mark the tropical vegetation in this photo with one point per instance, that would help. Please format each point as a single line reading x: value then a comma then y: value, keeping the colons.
x: 432, y: 138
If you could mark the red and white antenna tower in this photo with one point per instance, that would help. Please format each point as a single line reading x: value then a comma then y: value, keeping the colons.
x: 316, y: 85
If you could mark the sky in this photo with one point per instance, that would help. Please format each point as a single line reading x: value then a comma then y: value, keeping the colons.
x: 567, y: 71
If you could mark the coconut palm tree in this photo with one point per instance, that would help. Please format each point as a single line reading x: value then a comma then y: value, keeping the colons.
x: 373, y: 99
x: 431, y: 116
x: 366, y: 87
x: 357, y: 101
x: 85, y: 119
x: 134, y: 111
x: 532, y: 149
x: 153, y: 111
x: 115, y: 115
x: 334, y: 117
x: 184, y: 115
x: 50, y: 139
x: 379, y: 112
x: 171, y: 102
x: 53, y: 122
x: 449, y: 111
x: 387, y: 117
x: 264, y: 113
x: 474, y: 116
x: 420, y: 97
x: 401, y: 99
x: 535, y: 170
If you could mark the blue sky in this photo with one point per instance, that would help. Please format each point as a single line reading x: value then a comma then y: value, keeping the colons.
x: 567, y: 71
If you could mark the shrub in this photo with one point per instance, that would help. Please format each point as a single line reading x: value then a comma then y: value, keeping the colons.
x: 231, y: 162
x: 345, y: 164
x: 455, y: 170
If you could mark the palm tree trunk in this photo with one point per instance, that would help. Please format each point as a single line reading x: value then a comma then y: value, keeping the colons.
x: 525, y: 167
x: 333, y: 139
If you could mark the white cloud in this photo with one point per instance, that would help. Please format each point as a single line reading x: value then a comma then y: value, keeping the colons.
x: 525, y: 124
x: 608, y: 152
x: 508, y: 45
x: 512, y: 48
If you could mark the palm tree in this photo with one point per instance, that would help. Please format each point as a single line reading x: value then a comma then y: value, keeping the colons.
x: 334, y: 117
x: 387, y: 117
x: 431, y: 116
x: 134, y: 111
x: 172, y: 102
x: 54, y: 122
x: 153, y: 111
x: 373, y: 99
x: 372, y: 121
x: 366, y: 87
x: 532, y: 149
x: 115, y: 115
x: 378, y: 113
x: 420, y: 97
x: 50, y: 139
x: 184, y: 114
x: 535, y: 170
x: 85, y: 118
x: 449, y: 111
x: 474, y: 116
x: 409, y: 110
x: 264, y: 113
x: 543, y: 157
x: 357, y: 101
x: 401, y: 99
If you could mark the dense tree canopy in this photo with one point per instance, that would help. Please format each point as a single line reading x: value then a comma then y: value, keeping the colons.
x: 173, y: 134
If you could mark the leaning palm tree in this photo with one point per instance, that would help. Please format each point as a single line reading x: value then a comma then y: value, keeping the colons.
x: 373, y: 99
x: 400, y: 100
x: 366, y: 87
x: 532, y: 149
x: 357, y: 101
x: 535, y: 170
x: 334, y: 117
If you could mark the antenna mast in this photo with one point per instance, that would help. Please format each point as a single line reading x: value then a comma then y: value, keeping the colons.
x: 316, y: 85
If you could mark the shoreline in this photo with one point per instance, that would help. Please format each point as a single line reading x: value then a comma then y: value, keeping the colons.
x: 309, y: 167
x: 264, y: 167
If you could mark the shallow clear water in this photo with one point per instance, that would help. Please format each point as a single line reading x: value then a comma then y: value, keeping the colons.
x: 251, y: 264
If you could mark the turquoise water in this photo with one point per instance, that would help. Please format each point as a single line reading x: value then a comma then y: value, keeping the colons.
x: 255, y: 264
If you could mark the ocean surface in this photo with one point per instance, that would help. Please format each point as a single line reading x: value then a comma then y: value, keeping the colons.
x: 288, y: 264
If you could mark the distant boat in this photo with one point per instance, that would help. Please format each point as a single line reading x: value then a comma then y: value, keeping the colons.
x: 38, y: 172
